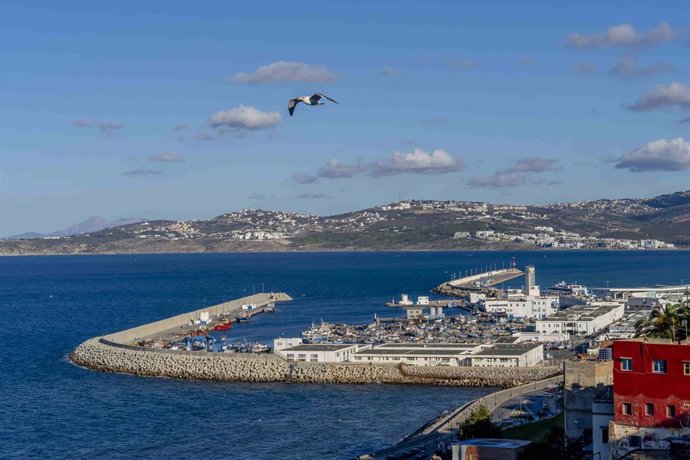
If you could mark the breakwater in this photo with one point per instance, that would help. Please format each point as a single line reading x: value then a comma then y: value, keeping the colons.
x: 118, y: 352
x: 103, y: 355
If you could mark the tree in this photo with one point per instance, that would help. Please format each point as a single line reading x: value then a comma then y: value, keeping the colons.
x: 479, y: 425
x: 666, y: 322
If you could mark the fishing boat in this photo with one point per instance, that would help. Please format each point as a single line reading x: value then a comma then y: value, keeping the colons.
x: 244, y: 317
x: 224, y: 326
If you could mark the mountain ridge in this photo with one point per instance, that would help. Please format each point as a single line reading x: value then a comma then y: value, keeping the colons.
x: 629, y: 223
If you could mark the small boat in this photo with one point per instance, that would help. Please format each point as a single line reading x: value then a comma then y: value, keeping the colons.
x: 224, y: 326
x: 270, y: 308
x: 244, y: 317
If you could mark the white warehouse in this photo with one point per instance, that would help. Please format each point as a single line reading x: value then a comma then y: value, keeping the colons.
x: 582, y: 319
x: 294, y: 350
x: 525, y: 307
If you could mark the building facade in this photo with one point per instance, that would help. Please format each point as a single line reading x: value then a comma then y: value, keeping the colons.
x: 582, y: 319
x: 651, y: 394
x: 526, y: 307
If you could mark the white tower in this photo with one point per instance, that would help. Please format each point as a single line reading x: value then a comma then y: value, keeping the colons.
x: 530, y: 288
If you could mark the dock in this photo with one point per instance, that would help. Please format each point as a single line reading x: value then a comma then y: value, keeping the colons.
x: 483, y: 282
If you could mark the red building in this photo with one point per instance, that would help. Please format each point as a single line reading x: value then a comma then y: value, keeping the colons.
x: 651, y: 382
x: 651, y: 393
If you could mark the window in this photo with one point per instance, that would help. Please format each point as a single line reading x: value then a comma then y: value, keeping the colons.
x: 604, y: 434
x: 290, y: 356
x: 314, y: 358
x: 635, y: 441
x: 302, y: 357
x: 659, y: 366
x: 686, y: 368
x: 649, y: 409
x: 670, y: 411
x: 626, y: 364
x: 627, y: 409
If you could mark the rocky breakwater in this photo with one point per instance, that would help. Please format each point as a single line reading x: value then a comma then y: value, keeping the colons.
x: 103, y: 355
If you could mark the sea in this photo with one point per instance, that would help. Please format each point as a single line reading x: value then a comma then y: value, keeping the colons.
x: 50, y: 408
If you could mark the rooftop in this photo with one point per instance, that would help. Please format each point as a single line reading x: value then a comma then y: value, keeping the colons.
x: 507, y: 349
x: 500, y: 443
x: 319, y: 347
x: 429, y: 345
x: 582, y: 312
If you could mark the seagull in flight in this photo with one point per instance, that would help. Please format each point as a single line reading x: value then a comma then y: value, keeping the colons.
x: 308, y: 100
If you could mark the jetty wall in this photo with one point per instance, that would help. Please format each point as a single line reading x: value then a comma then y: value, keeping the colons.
x: 105, y: 355
x: 176, y: 322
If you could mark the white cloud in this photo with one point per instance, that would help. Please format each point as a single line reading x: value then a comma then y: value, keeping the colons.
x: 417, y: 162
x: 663, y: 97
x: 313, y: 196
x: 141, y: 172
x: 166, y: 157
x: 286, y: 71
x: 658, y: 155
x: 336, y: 169
x: 585, y: 68
x: 627, y: 68
x: 624, y: 35
x: 104, y: 126
x: 498, y: 180
x: 519, y: 173
x: 388, y: 71
x: 244, y: 118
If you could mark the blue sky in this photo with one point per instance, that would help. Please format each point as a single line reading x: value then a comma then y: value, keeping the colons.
x: 107, y: 108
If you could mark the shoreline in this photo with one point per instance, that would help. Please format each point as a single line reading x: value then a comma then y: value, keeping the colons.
x: 349, y: 250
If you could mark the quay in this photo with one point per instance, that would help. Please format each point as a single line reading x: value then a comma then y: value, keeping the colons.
x: 483, y: 282
x: 170, y: 327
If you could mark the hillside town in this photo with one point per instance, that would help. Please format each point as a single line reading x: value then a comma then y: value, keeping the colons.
x: 421, y: 224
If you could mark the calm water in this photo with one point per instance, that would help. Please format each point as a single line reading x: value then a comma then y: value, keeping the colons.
x: 48, y: 305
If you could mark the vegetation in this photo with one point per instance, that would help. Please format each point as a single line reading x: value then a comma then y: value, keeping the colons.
x: 553, y: 447
x: 669, y: 322
x: 536, y: 431
x: 479, y: 425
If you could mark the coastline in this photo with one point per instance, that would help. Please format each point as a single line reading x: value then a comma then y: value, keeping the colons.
x: 347, y: 250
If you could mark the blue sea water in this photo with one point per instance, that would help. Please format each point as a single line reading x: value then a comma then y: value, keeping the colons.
x: 48, y: 305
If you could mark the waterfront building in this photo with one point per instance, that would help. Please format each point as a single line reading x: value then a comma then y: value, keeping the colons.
x: 454, y: 354
x: 528, y: 307
x: 651, y: 395
x: 320, y: 353
x: 582, y: 319
x: 508, y: 355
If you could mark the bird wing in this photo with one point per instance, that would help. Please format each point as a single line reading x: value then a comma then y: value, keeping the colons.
x: 292, y: 104
x: 323, y: 95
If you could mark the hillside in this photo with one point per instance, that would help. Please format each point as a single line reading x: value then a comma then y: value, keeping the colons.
x: 658, y: 222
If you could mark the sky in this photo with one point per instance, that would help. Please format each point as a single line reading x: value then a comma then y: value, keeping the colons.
x: 179, y: 109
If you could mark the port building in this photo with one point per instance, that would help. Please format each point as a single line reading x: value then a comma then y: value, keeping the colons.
x: 454, y: 354
x: 294, y: 350
x: 528, y: 307
x: 582, y: 319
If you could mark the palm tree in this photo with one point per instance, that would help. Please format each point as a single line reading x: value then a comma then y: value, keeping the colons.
x: 664, y: 322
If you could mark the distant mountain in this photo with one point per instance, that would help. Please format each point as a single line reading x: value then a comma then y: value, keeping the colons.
x: 89, y: 225
x: 650, y: 223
